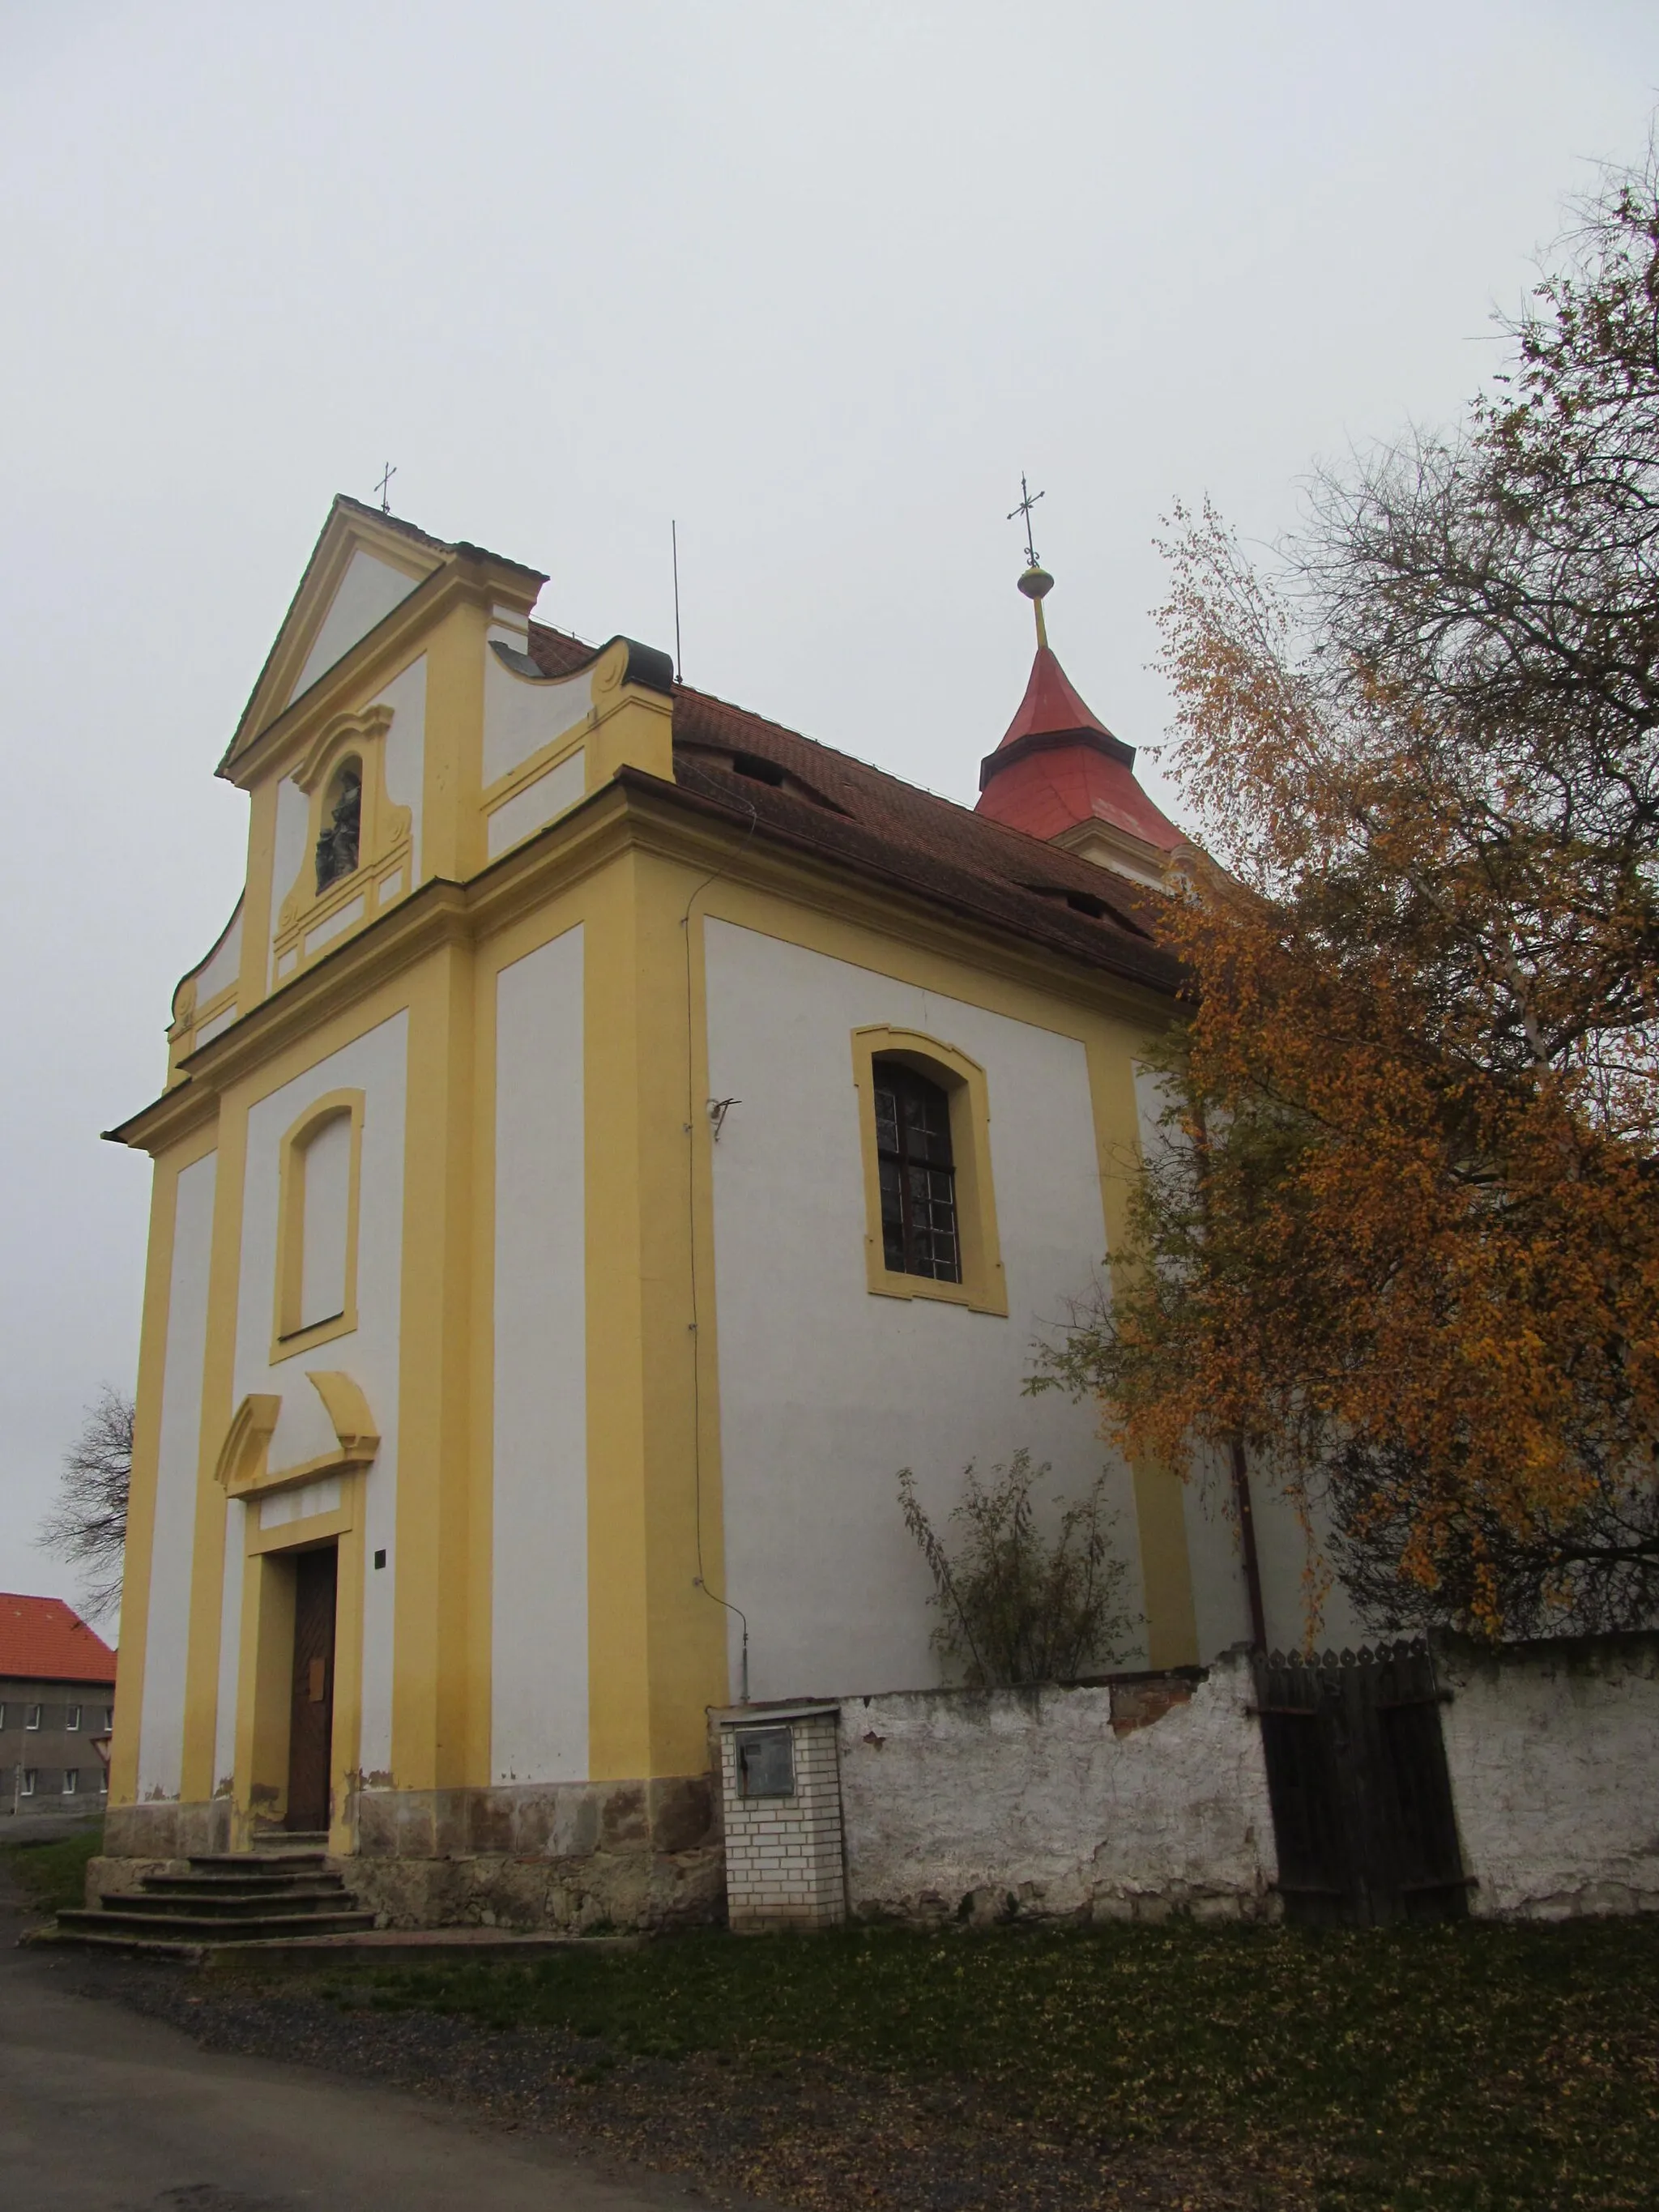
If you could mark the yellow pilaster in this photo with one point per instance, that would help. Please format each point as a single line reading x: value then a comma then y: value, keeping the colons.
x: 1166, y: 1571
x: 265, y: 1675
x: 253, y: 979
x: 451, y: 825
x: 656, y: 1641
x: 432, y: 1693
x: 146, y: 1454
x: 198, y: 1780
x: 344, y: 1752
x: 633, y: 727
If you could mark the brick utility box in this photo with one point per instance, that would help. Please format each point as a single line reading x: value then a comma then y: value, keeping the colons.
x: 781, y: 1796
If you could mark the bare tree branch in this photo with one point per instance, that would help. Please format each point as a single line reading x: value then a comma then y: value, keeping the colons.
x: 88, y: 1525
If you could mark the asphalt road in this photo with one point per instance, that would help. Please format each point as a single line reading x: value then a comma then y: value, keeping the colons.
x: 104, y: 2110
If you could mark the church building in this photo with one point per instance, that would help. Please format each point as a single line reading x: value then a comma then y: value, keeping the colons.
x: 613, y: 1136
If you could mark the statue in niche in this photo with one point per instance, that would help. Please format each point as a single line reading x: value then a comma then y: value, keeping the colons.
x: 337, y: 847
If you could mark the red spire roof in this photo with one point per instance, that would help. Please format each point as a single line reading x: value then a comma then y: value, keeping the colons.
x: 1050, y: 704
x: 1058, y: 765
x: 41, y: 1640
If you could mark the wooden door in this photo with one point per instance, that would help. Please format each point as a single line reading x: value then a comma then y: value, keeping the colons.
x: 311, y: 1724
x: 1362, y: 1799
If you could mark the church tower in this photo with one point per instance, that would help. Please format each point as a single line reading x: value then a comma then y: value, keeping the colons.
x: 1061, y: 775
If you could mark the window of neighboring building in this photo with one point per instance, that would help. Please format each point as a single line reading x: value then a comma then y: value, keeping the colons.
x: 109, y: 1718
x: 28, y: 1781
x: 31, y: 1717
x: 71, y: 1781
x: 925, y: 1121
x: 3, y: 1715
x: 72, y: 1718
x: 917, y: 1180
x: 103, y: 1781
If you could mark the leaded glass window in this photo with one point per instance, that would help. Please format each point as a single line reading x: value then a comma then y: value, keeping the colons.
x: 918, y: 1179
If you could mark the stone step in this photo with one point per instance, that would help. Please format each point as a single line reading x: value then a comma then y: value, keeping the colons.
x: 308, y: 1881
x: 256, y: 1862
x: 131, y: 1947
x: 295, y: 1904
x: 184, y: 1927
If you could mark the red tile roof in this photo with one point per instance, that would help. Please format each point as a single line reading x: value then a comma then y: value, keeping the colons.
x: 1056, y: 786
x: 1050, y: 703
x: 1058, y: 765
x: 41, y: 1640
x: 848, y: 811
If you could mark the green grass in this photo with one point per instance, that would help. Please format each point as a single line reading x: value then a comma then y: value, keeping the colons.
x: 52, y: 1877
x: 1452, y: 2068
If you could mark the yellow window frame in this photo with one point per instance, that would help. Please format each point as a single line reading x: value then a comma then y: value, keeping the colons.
x: 288, y: 1337
x: 983, y: 1287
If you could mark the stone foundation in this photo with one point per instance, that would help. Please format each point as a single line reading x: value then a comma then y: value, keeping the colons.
x: 577, y: 1855
x: 167, y: 1830
x: 108, y: 1877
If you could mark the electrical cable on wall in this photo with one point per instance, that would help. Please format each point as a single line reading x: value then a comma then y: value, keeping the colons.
x: 700, y: 1579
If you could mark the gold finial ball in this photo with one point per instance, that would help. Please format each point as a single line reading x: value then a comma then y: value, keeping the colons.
x: 1037, y: 583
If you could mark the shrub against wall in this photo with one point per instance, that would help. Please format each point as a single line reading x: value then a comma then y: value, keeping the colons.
x: 1013, y: 1607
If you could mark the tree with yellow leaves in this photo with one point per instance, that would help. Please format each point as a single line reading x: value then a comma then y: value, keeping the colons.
x: 1402, y: 1238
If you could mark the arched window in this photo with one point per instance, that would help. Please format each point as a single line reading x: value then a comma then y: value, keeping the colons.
x: 925, y: 1138
x: 325, y: 1166
x: 917, y: 1174
x: 343, y: 811
x: 317, y: 1224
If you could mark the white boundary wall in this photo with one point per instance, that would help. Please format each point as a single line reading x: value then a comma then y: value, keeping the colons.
x: 1128, y: 1800
x: 1553, y: 1753
x: 1148, y: 1794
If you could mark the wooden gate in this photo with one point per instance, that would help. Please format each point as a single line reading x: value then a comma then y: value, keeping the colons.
x: 311, y: 1715
x: 1361, y: 1798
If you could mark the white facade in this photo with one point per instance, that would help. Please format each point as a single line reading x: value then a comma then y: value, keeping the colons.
x: 827, y: 1392
x: 365, y: 596
x: 375, y: 1064
x: 538, y: 1667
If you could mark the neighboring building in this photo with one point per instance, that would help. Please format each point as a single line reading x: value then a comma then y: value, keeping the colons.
x: 57, y: 1708
x: 613, y: 1135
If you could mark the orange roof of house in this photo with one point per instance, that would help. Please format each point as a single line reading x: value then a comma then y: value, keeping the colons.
x: 42, y: 1640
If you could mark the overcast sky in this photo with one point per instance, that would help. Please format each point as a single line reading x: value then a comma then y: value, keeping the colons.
x: 818, y: 280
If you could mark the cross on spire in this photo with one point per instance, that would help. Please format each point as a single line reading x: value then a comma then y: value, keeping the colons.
x: 1028, y: 499
x: 386, y: 503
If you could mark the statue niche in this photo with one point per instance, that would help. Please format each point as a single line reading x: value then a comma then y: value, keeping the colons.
x: 342, y: 810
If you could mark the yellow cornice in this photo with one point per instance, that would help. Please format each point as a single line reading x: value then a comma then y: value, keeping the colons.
x: 614, y: 818
x: 845, y: 888
x: 462, y: 577
x: 340, y: 536
x: 241, y: 1470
